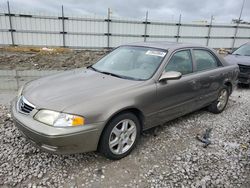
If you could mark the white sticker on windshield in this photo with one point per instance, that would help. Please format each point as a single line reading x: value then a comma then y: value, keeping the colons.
x: 156, y: 53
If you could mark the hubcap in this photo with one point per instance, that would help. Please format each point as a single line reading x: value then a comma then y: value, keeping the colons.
x: 222, y: 100
x: 122, y: 136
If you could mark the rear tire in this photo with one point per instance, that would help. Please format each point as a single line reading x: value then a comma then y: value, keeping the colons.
x: 120, y: 136
x: 221, y: 102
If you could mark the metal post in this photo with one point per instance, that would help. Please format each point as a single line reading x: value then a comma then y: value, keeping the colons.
x: 146, y: 25
x: 17, y: 79
x: 235, y: 34
x: 178, y: 30
x: 237, y: 25
x: 108, y: 28
x: 241, y: 10
x: 10, y: 22
x: 209, y: 30
x: 63, y: 27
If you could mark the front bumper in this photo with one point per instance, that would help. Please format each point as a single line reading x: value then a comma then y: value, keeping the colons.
x: 244, y: 78
x: 57, y: 140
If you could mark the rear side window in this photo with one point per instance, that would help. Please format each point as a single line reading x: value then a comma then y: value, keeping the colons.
x: 204, y: 60
x: 181, y: 62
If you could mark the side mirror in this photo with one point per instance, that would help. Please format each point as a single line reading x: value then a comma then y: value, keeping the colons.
x: 170, y: 75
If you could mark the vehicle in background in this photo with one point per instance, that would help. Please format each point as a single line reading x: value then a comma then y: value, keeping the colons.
x: 106, y: 106
x: 241, y: 56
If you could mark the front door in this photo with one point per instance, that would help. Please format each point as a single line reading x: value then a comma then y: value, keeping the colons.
x: 176, y: 97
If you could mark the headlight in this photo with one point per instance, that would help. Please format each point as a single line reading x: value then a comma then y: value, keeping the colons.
x: 20, y: 90
x: 59, y: 119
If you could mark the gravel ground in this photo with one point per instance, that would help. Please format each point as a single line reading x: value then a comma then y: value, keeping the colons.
x: 20, y: 59
x: 167, y: 156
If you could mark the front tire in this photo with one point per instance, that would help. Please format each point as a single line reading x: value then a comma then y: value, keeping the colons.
x: 220, y: 104
x: 120, y: 136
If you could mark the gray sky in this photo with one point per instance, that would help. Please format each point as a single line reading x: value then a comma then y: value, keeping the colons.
x: 163, y: 10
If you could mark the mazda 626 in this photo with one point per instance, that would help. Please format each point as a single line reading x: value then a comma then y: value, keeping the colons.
x: 106, y: 106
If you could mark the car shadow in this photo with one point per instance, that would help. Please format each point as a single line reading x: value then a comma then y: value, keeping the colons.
x: 243, y: 86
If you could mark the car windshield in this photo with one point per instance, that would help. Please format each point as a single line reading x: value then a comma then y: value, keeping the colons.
x: 130, y: 62
x: 243, y: 50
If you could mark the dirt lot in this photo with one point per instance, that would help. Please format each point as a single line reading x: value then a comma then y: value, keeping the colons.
x: 48, y: 59
x: 167, y: 156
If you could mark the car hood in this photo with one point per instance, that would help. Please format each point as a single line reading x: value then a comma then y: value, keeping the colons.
x: 62, y: 90
x: 237, y: 59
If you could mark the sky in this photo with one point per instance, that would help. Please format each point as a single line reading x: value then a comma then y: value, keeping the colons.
x: 223, y: 11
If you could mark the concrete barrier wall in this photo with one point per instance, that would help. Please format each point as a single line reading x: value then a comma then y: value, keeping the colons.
x: 11, y: 80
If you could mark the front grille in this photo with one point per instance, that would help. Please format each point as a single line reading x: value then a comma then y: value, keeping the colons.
x: 244, y: 68
x: 24, y: 106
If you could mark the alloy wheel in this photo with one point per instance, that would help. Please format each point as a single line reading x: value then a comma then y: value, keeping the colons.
x: 222, y: 99
x: 122, y: 136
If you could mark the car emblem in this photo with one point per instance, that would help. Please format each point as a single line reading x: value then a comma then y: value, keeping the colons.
x: 21, y: 104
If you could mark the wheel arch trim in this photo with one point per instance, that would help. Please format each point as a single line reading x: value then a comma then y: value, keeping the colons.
x: 137, y: 112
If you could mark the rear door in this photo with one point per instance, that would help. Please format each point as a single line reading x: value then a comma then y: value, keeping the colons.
x: 209, y: 76
x: 176, y: 97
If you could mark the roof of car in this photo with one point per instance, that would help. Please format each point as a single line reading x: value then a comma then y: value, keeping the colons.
x: 164, y: 44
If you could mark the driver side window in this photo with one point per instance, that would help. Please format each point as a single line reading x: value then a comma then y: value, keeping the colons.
x: 181, y: 62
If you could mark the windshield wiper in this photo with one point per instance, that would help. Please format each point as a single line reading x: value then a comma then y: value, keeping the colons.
x: 112, y: 74
x: 104, y: 72
x: 242, y: 54
x: 120, y: 76
x: 91, y: 67
x: 237, y: 54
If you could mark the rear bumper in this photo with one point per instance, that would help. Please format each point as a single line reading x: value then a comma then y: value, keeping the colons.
x: 58, y: 140
x: 244, y: 78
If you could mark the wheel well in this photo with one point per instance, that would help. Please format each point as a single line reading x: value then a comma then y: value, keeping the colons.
x: 135, y: 111
x: 138, y: 114
x: 230, y: 86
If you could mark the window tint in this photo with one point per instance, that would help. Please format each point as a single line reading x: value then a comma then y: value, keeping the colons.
x: 181, y: 62
x: 204, y: 60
